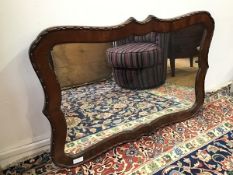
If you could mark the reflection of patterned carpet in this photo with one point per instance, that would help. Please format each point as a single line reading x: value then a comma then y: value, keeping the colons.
x: 107, y: 107
x: 200, y: 145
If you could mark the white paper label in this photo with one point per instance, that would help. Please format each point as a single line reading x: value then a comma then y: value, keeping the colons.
x: 80, y: 159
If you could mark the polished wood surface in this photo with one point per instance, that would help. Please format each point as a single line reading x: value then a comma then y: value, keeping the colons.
x: 40, y: 56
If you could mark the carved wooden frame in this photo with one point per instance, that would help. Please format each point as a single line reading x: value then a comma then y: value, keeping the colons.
x: 41, y: 60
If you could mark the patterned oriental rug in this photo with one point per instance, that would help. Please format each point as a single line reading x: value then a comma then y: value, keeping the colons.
x: 200, y: 145
x: 102, y: 109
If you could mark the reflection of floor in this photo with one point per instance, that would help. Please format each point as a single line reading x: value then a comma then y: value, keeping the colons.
x: 97, y: 111
x: 185, y: 75
x: 105, y: 105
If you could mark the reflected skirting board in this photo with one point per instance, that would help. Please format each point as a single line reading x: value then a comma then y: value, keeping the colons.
x: 200, y: 145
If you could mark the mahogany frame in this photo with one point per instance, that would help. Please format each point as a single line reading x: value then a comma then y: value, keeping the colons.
x: 41, y: 61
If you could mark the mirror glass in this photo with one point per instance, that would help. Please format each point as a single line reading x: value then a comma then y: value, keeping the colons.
x: 116, y: 86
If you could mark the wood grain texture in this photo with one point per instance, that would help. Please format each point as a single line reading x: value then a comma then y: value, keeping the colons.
x: 40, y: 56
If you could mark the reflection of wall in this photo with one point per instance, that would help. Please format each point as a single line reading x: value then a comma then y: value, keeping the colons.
x: 78, y: 64
x: 22, y: 125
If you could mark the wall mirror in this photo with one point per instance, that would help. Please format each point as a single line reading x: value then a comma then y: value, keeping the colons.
x: 105, y: 86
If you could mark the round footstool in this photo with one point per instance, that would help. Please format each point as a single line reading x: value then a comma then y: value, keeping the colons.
x: 138, y: 65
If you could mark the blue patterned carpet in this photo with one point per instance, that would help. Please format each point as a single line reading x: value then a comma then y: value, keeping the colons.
x: 202, y: 145
x: 105, y: 105
x: 216, y: 158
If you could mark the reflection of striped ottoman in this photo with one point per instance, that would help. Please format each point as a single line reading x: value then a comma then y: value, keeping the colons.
x: 138, y: 65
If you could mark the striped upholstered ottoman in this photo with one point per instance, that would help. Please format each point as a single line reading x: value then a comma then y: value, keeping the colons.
x: 138, y: 65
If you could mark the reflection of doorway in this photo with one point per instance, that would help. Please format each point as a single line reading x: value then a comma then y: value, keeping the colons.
x: 185, y: 75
